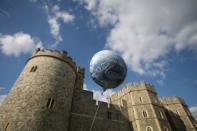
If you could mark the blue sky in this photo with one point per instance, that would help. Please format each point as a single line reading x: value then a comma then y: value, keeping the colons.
x: 157, y: 39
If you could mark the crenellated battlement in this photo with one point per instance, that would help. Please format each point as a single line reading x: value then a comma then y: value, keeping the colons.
x: 88, y: 95
x: 84, y: 103
x: 171, y: 100
x: 142, y: 85
x: 51, y: 88
x: 60, y: 55
x: 46, y: 84
x: 81, y: 71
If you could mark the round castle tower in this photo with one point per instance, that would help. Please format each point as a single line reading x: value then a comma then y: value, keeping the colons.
x: 41, y: 98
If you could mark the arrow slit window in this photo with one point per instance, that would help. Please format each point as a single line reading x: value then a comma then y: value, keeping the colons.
x: 50, y: 103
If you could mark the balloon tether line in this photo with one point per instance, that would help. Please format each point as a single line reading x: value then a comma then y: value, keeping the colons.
x: 96, y: 112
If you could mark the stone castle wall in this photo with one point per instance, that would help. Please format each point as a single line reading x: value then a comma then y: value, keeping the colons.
x: 143, y: 107
x: 83, y: 110
x: 48, y: 96
x: 178, y: 113
x: 40, y: 100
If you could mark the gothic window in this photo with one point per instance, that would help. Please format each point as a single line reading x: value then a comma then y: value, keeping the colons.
x: 6, y: 127
x: 33, y: 69
x: 165, y: 129
x: 149, y: 128
x: 161, y: 114
x: 50, y: 103
x: 109, y: 115
x: 145, y: 114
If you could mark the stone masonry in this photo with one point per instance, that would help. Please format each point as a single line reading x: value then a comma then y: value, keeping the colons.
x: 48, y: 96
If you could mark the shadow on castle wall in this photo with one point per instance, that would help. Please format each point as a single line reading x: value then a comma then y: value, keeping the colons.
x: 109, y: 117
x: 175, y: 121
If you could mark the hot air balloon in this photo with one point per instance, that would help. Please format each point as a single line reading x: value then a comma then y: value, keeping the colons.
x: 108, y: 69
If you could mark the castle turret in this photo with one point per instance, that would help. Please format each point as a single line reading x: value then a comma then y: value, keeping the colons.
x: 48, y: 96
x: 145, y: 112
x: 40, y: 100
x: 80, y: 78
x: 178, y: 114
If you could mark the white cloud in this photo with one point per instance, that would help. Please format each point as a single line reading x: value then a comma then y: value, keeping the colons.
x: 85, y: 87
x: 144, y: 32
x: 193, y: 110
x: 54, y: 21
x: 18, y: 43
x: 102, y: 97
x: 97, y: 95
x: 54, y: 26
x: 2, y: 97
x: 187, y: 37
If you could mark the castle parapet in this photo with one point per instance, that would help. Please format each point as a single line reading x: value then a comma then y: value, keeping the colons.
x: 61, y: 55
x: 172, y: 100
x: 81, y: 71
x: 45, y: 89
x: 141, y: 86
x: 131, y: 87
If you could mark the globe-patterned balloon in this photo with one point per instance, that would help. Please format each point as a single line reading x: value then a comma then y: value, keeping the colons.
x: 108, y: 69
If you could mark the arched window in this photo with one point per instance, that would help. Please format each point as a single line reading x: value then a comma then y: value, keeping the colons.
x: 149, y: 128
x: 165, y: 129
x: 145, y: 114
x: 161, y: 114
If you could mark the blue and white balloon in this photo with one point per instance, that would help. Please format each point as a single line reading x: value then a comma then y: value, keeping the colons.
x: 108, y: 69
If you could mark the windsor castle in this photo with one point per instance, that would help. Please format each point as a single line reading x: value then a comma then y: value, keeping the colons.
x: 48, y: 96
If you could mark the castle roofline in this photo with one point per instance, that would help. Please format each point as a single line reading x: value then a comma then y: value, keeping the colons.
x: 60, y: 55
x: 172, y: 100
x: 81, y: 70
x: 135, y: 86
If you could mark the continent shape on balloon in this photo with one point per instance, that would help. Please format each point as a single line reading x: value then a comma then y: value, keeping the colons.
x: 108, y: 69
